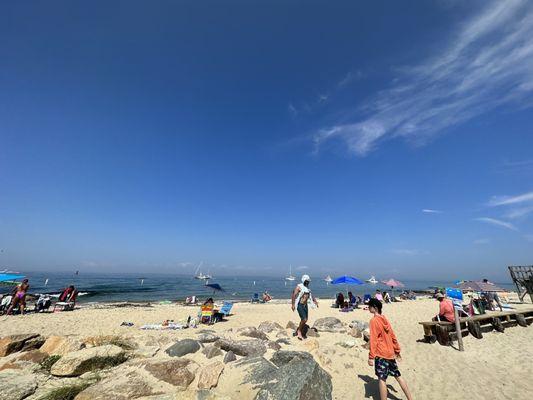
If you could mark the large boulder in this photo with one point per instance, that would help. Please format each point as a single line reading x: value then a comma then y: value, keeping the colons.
x: 16, y: 385
x: 183, y: 347
x: 249, y: 347
x: 14, y: 343
x: 209, y: 375
x: 251, y: 331
x: 60, y: 345
x: 177, y: 372
x: 269, y: 326
x: 329, y: 324
x: 299, y: 377
x: 291, y: 325
x: 140, y: 379
x: 290, y: 375
x: 90, y: 359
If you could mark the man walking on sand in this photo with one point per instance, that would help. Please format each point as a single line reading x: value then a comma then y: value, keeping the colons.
x: 300, y: 296
x: 384, y: 350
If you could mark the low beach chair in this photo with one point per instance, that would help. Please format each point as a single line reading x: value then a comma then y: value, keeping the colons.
x: 64, y: 306
x: 255, y: 298
x: 191, y: 301
x: 207, y: 313
x: 366, y: 299
x: 226, y: 308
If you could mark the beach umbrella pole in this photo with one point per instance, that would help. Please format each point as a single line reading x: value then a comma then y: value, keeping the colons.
x: 458, y: 329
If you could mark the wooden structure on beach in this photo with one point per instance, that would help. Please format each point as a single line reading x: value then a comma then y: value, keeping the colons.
x: 445, y: 332
x: 523, y: 279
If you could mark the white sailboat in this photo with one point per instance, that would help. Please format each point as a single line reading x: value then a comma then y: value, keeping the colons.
x: 290, y: 277
x: 198, y: 274
x: 372, y: 280
x: 328, y: 279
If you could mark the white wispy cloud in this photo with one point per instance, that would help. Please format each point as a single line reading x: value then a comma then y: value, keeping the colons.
x: 516, y: 207
x: 488, y: 64
x: 409, y: 252
x: 482, y: 241
x: 430, y: 211
x: 508, y: 200
x: 497, y: 222
x: 292, y: 109
x: 302, y: 267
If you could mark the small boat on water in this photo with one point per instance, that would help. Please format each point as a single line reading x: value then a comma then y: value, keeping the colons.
x: 290, y: 277
x: 328, y: 279
x: 372, y: 280
x: 198, y: 274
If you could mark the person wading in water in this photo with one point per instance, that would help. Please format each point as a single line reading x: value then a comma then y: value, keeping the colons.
x: 300, y: 297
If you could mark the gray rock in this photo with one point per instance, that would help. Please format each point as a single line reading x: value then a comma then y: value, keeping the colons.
x: 355, y: 332
x: 291, y: 325
x: 119, y: 387
x: 207, y: 337
x: 250, y: 331
x: 283, y: 341
x: 249, y: 347
x: 209, y: 375
x: 299, y: 378
x: 366, y: 335
x: 291, y: 375
x: 89, y: 359
x: 16, y: 385
x: 183, y: 347
x: 272, y: 345
x: 211, y: 351
x: 229, y: 357
x: 329, y: 324
x: 269, y: 326
x: 361, y: 325
x: 312, y: 332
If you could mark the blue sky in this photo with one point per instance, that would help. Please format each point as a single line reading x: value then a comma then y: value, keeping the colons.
x: 362, y: 137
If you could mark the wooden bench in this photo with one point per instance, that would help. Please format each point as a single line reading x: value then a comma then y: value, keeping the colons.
x: 444, y: 332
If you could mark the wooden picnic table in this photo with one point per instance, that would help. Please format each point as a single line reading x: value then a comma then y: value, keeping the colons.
x: 444, y: 332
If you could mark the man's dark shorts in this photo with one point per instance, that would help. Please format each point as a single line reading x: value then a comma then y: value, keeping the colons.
x: 303, y: 312
x: 385, y: 368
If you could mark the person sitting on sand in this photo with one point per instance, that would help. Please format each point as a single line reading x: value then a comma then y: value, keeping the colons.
x: 300, y: 296
x: 19, y: 297
x: 352, y: 300
x: 68, y: 295
x: 446, y: 313
x: 340, y: 300
x: 386, y: 297
x: 266, y: 297
x: 384, y: 350
x: 378, y: 295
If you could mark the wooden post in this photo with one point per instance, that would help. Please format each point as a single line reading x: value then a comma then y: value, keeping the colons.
x: 458, y: 329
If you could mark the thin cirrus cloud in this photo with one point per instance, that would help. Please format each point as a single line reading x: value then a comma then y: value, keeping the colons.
x: 488, y: 64
x: 409, y: 252
x: 497, y: 222
x: 516, y: 207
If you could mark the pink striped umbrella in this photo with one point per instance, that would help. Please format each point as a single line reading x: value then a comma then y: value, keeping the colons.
x: 393, y: 283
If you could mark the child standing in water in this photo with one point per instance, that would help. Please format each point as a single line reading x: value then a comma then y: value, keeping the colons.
x: 384, y: 350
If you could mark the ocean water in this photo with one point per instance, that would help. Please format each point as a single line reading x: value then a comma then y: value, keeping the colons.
x: 159, y: 287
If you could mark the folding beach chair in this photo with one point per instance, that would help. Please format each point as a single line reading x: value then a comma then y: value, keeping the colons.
x: 64, y: 306
x: 207, y: 313
x: 226, y: 308
x: 366, y: 299
x: 191, y: 301
x: 255, y: 298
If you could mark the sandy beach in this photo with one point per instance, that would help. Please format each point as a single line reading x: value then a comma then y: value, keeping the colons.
x: 494, y: 367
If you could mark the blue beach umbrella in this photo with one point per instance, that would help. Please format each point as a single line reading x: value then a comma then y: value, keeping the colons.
x: 346, y: 280
x: 10, y: 278
x: 215, y: 286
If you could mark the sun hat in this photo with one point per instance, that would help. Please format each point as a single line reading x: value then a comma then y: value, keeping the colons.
x: 306, y: 278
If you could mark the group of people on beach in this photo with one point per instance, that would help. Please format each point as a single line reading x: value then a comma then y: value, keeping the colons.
x: 384, y: 351
x: 16, y: 299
